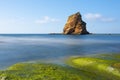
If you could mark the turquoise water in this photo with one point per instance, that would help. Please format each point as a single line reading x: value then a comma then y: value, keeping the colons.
x: 16, y: 48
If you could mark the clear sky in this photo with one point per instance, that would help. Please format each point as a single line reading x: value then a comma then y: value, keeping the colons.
x: 50, y: 16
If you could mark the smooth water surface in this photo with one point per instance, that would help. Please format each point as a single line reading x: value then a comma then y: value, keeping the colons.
x: 53, y: 48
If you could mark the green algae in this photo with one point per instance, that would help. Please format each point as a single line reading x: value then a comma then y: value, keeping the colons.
x: 107, y: 66
x: 35, y: 71
x: 98, y: 67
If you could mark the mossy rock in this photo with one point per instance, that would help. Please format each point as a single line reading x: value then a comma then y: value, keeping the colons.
x: 34, y: 71
x: 101, y: 67
x: 109, y: 69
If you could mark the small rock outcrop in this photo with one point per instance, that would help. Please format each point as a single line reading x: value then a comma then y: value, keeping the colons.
x: 75, y: 25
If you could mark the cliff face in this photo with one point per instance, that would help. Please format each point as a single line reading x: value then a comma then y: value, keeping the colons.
x: 75, y: 25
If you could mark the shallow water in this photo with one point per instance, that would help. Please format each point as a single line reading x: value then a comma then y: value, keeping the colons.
x: 53, y: 48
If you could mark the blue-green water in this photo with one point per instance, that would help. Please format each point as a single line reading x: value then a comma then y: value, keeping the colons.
x: 16, y: 48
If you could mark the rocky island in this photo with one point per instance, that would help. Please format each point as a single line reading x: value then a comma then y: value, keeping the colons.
x: 75, y: 25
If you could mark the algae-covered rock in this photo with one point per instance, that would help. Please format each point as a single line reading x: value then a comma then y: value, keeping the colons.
x: 34, y: 71
x: 109, y: 69
x: 99, y: 67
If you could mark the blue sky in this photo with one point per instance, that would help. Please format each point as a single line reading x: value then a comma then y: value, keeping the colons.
x: 50, y: 16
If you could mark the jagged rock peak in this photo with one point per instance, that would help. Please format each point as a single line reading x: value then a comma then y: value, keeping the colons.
x: 75, y: 25
x: 78, y: 13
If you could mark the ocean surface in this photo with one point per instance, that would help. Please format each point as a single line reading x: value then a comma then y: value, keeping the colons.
x: 16, y: 48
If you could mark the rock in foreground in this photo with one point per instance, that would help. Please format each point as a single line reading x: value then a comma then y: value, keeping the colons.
x: 75, y: 25
x: 36, y: 71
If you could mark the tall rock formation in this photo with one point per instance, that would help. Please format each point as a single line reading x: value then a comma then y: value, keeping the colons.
x: 75, y: 25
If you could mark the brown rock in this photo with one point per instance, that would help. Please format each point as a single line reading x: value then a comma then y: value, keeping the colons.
x: 75, y: 25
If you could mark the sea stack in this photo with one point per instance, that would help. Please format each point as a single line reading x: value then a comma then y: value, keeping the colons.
x: 75, y: 25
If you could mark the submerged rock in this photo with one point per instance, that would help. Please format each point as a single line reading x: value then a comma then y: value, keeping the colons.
x: 75, y: 25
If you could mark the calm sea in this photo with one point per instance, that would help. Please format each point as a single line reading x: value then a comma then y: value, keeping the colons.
x: 16, y: 48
